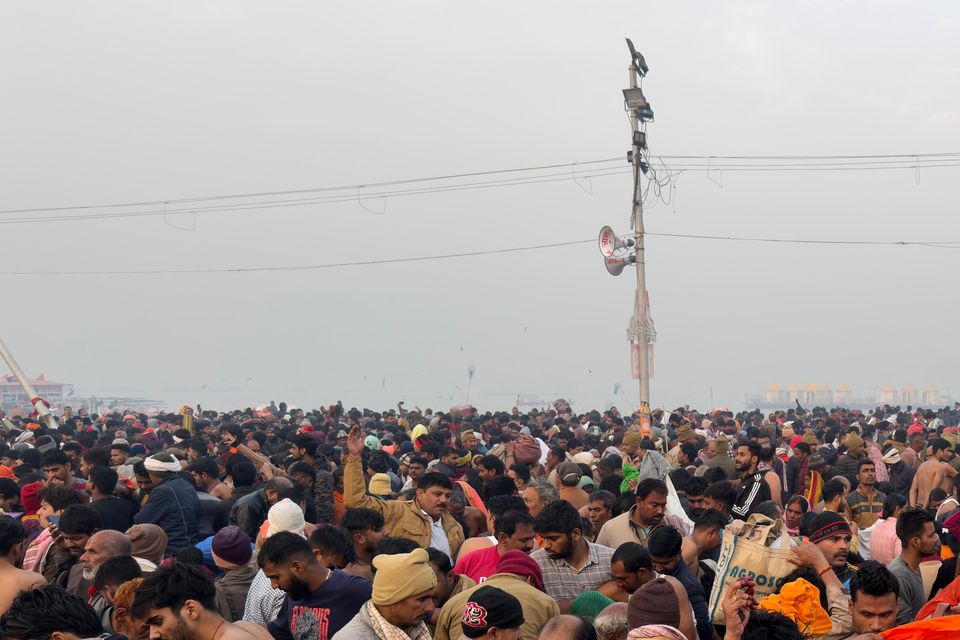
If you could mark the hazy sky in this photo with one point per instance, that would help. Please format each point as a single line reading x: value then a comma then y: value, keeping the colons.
x: 133, y: 101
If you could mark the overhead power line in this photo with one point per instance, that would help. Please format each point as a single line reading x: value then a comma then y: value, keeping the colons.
x: 945, y: 244
x: 571, y: 171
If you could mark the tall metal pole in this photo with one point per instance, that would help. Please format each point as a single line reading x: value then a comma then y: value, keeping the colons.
x: 42, y: 411
x: 638, y: 324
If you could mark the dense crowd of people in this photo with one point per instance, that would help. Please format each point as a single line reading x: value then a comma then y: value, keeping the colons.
x: 275, y: 522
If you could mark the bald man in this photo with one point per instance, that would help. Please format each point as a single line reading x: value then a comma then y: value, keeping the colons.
x: 567, y: 627
x: 100, y: 546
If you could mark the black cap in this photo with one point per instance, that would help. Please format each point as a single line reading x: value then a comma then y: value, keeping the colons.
x: 490, y: 607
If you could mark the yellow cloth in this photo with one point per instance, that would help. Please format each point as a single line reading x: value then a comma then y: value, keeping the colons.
x: 402, y: 575
x: 418, y: 431
x: 800, y: 601
x: 380, y: 485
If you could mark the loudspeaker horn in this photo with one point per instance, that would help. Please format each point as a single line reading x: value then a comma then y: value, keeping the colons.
x: 610, y: 243
x: 615, y: 266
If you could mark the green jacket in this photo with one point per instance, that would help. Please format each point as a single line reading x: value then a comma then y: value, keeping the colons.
x: 404, y: 518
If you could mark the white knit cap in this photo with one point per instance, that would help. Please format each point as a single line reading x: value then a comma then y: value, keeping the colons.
x: 286, y: 516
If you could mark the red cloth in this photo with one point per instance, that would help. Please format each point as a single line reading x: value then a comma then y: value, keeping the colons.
x: 520, y: 564
x: 949, y: 595
x: 478, y: 565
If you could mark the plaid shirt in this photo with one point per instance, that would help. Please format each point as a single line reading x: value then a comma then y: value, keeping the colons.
x: 562, y: 582
x: 263, y: 601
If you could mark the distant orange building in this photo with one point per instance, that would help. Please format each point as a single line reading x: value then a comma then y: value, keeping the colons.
x: 12, y: 395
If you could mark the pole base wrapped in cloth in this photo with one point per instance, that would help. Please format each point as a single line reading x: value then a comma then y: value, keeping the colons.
x: 759, y: 548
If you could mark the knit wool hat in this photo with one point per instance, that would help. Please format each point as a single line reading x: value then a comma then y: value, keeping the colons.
x: 826, y: 524
x: 147, y: 541
x: 654, y: 603
x: 29, y: 498
x: 588, y: 604
x: 402, y: 575
x: 810, y: 438
x: 285, y: 516
x: 684, y: 433
x: 520, y: 564
x: 231, y: 548
x: 853, y: 441
x: 490, y: 607
x: 380, y: 485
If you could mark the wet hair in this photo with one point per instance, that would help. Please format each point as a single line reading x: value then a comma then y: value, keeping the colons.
x: 498, y: 505
x: 874, y: 579
x: 171, y: 586
x: 938, y: 444
x: 303, y: 467
x: 56, y: 457
x: 715, y: 475
x: 37, y: 613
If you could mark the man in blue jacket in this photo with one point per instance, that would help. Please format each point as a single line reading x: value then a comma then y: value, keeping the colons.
x: 173, y: 503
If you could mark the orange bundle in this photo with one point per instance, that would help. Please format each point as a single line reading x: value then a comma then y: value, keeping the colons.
x: 942, y: 628
x: 800, y: 601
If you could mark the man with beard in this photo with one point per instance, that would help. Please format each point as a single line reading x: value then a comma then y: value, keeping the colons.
x: 366, y: 529
x: 513, y: 530
x: 319, y: 602
x: 918, y: 536
x: 569, y: 562
x: 100, y: 546
x: 831, y: 533
x: 177, y: 602
x: 753, y: 487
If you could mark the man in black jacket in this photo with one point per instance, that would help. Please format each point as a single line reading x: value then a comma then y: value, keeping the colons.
x: 250, y: 511
x: 753, y: 488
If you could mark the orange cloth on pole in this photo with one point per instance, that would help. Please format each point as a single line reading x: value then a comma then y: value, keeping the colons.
x: 942, y: 628
x: 800, y: 601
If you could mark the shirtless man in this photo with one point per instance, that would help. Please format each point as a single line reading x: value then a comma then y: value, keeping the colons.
x: 12, y: 579
x: 933, y: 473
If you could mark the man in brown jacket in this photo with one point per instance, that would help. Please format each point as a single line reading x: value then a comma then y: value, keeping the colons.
x: 424, y: 519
